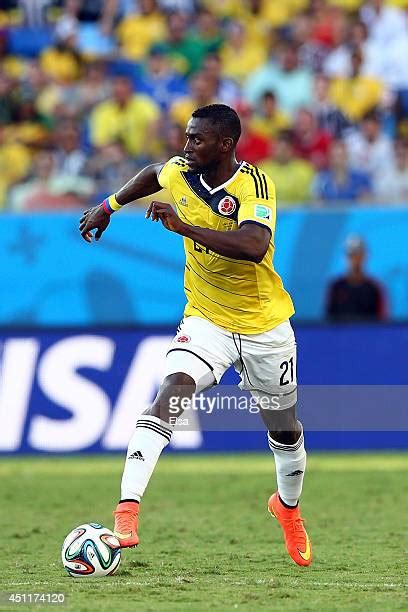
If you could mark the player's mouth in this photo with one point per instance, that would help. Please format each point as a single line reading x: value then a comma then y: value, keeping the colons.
x: 190, y: 162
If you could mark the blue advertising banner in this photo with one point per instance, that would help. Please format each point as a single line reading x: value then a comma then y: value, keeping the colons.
x: 76, y: 391
x: 134, y: 275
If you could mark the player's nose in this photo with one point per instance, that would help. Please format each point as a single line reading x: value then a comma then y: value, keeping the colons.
x: 187, y: 147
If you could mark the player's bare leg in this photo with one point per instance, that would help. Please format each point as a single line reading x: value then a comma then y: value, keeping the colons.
x: 151, y: 436
x: 285, y: 437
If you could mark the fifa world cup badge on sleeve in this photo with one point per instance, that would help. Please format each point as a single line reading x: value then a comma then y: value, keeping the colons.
x: 263, y: 212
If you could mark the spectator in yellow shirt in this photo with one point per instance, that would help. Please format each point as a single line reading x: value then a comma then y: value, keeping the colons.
x: 274, y: 13
x: 358, y: 94
x: 127, y: 118
x: 268, y: 120
x: 351, y: 6
x: 28, y: 126
x: 137, y: 32
x: 239, y: 55
x: 15, y: 162
x: 223, y: 9
x: 260, y: 16
x: 11, y: 65
x: 63, y: 62
x: 293, y: 177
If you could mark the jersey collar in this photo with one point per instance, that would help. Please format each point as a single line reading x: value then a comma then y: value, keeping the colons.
x: 210, y: 190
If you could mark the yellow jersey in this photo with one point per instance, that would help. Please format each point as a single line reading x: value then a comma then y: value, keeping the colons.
x: 239, y: 296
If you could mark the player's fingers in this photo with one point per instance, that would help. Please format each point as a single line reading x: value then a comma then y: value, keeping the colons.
x: 163, y: 217
x: 85, y: 227
x: 149, y: 210
x: 98, y: 234
x: 87, y: 236
x: 163, y: 208
x: 85, y: 215
x: 154, y: 212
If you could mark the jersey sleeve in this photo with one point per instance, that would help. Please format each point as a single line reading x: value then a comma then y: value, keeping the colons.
x: 170, y: 170
x: 258, y: 200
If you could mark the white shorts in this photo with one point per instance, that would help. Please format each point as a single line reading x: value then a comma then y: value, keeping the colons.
x: 265, y: 362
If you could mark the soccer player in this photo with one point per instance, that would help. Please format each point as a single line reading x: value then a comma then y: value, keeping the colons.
x: 237, y: 310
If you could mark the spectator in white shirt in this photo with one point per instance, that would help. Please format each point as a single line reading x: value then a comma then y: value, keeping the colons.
x: 69, y: 156
x: 391, y: 185
x: 384, y: 23
x: 373, y: 64
x: 338, y: 62
x: 395, y: 64
x: 369, y: 148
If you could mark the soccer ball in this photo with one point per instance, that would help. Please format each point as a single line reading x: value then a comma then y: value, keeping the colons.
x: 91, y: 550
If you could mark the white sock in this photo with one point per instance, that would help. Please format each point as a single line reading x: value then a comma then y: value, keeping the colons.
x: 149, y: 439
x: 290, y: 461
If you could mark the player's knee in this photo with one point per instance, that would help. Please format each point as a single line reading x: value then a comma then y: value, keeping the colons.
x: 283, y: 425
x: 173, y: 396
x: 178, y: 384
x: 285, y: 436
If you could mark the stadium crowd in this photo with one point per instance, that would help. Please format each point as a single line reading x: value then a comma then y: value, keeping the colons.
x: 92, y: 90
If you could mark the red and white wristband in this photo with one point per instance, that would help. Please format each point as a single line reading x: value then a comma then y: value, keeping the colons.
x: 110, y: 205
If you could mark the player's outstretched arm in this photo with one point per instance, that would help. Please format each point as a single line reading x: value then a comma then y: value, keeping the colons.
x: 143, y: 184
x: 250, y: 242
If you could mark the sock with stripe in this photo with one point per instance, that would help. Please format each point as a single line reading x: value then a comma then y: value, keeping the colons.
x: 290, y: 462
x: 146, y: 444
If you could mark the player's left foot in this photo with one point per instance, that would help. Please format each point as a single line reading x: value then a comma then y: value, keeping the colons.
x: 296, y: 539
x: 126, y: 520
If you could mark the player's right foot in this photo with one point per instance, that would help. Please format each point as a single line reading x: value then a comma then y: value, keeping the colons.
x: 126, y: 520
x: 296, y: 539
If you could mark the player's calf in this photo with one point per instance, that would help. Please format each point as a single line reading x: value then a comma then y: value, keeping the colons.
x: 282, y: 425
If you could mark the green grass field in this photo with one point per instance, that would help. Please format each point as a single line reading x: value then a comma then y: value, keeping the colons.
x: 207, y: 541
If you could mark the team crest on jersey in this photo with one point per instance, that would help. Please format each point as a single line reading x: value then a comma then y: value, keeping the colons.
x: 226, y: 206
x: 183, y: 338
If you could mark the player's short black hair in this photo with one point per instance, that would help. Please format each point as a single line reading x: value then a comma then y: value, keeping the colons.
x: 223, y: 117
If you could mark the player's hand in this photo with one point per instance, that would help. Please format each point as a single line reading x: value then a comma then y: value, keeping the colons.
x: 161, y: 211
x: 94, y: 218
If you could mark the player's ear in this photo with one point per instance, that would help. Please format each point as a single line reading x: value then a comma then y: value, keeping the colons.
x: 227, y: 144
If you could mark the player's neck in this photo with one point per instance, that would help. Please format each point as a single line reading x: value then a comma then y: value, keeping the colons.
x: 220, y: 175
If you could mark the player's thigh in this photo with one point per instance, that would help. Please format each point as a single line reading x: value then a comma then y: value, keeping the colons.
x: 268, y: 367
x: 201, y: 350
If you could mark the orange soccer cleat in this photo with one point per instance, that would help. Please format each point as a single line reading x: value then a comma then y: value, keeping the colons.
x: 126, y: 520
x: 296, y: 539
